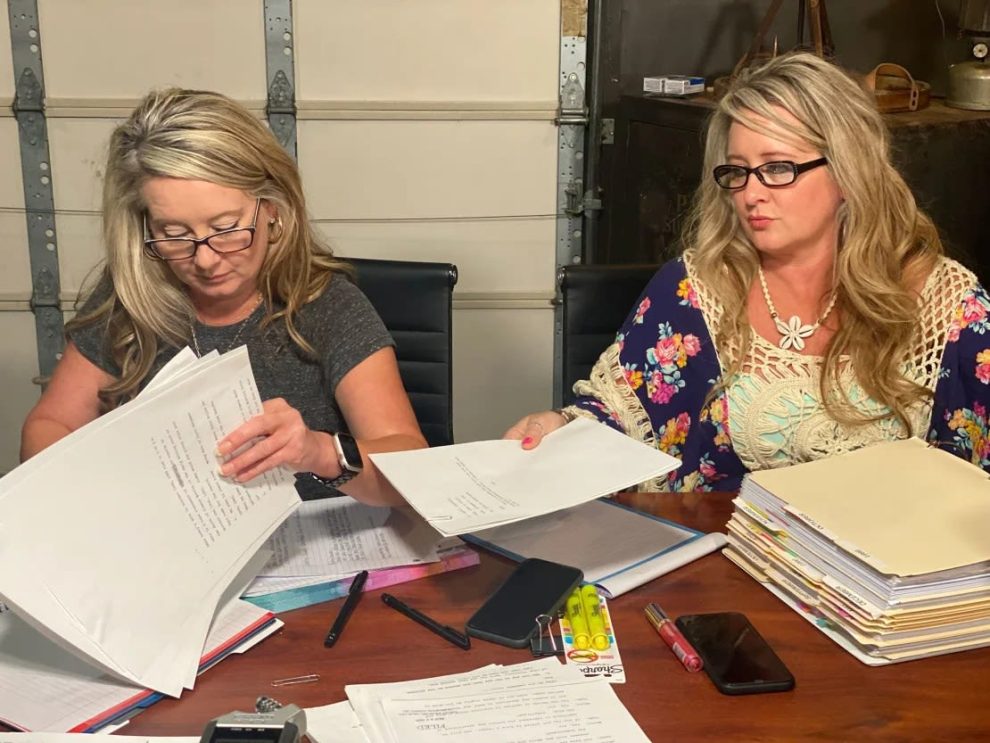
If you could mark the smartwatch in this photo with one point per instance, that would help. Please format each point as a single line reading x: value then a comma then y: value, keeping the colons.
x: 348, y: 454
x: 351, y: 464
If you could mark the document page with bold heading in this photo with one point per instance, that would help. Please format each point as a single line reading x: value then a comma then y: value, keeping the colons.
x: 117, y: 542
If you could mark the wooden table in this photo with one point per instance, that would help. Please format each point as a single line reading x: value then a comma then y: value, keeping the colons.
x: 837, y: 698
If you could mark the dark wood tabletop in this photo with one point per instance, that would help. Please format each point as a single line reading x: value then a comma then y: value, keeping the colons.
x: 837, y: 698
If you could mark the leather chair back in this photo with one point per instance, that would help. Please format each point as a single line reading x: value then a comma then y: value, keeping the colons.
x: 595, y: 301
x: 414, y: 301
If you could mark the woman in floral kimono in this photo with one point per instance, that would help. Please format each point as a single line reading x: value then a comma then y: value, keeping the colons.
x: 813, y: 311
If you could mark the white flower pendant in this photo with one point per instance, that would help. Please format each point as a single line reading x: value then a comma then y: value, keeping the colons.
x: 793, y: 333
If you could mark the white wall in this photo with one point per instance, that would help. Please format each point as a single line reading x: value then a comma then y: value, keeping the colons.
x: 425, y: 132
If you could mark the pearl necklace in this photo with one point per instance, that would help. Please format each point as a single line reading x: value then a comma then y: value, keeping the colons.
x: 793, y: 332
x: 237, y: 336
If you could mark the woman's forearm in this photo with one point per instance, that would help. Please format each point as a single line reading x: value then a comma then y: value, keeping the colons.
x: 371, y: 486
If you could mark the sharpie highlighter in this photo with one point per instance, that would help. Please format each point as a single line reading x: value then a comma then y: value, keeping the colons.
x: 593, y: 613
x: 577, y: 620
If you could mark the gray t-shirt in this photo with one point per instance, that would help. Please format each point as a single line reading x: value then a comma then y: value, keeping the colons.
x: 340, y: 324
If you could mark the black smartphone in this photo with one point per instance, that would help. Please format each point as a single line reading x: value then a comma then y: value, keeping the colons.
x: 535, y: 587
x: 737, y: 658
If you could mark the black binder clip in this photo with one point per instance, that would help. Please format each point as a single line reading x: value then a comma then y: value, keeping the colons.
x: 545, y: 643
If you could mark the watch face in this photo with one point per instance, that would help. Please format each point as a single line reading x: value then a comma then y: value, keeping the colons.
x: 349, y: 453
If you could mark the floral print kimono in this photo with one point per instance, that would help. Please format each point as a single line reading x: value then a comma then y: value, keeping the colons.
x: 654, y: 384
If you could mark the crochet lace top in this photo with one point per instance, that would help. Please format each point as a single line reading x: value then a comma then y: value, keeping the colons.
x: 776, y: 415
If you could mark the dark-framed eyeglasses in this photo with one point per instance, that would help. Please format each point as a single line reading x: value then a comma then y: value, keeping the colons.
x: 772, y: 175
x: 233, y: 240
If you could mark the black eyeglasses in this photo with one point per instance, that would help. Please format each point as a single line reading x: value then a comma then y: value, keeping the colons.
x: 233, y: 240
x: 772, y: 175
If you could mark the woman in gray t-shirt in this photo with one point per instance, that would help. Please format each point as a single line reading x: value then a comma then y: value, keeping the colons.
x: 208, y: 246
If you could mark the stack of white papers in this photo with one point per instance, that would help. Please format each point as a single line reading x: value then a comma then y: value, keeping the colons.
x: 119, y: 542
x: 466, y: 487
x: 335, y: 538
x: 534, y: 701
x: 44, y: 687
x: 884, y: 549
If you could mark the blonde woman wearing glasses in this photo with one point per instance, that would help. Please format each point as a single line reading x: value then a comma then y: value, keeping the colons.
x: 813, y: 311
x: 208, y: 245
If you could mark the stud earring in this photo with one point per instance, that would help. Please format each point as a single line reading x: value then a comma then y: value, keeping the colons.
x: 275, y: 229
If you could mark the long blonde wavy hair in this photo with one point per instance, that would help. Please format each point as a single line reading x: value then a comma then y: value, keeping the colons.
x: 886, y: 243
x: 195, y: 135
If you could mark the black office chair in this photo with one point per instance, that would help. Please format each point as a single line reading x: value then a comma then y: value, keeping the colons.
x: 595, y: 300
x: 414, y: 301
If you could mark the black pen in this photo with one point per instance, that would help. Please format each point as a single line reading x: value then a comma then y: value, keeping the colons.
x: 353, y: 596
x: 448, y: 633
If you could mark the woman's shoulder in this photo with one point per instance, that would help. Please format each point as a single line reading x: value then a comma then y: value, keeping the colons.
x: 338, y: 295
x: 341, y: 306
x: 97, y: 289
x: 672, y: 297
x: 669, y: 276
x: 949, y: 282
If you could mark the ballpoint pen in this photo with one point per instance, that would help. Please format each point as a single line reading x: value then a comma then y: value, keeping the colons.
x: 686, y: 654
x: 448, y: 633
x: 353, y: 596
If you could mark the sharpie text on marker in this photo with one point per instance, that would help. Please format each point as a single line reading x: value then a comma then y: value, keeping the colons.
x: 668, y: 631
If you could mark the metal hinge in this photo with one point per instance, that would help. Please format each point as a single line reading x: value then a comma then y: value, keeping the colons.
x: 579, y: 200
x: 572, y: 109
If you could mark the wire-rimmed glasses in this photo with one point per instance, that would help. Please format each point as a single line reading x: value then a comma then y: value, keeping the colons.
x: 233, y: 240
x: 774, y: 174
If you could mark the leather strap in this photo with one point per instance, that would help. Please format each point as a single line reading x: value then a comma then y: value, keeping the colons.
x: 895, y: 89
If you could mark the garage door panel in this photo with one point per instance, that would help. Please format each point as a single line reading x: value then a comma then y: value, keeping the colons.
x: 428, y: 169
x: 428, y: 50
x: 19, y: 367
x: 108, y: 49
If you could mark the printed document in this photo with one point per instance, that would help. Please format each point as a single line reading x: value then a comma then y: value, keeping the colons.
x: 43, y: 687
x: 483, y: 484
x: 489, y: 703
x: 93, y: 528
x: 571, y: 712
x: 333, y: 723
x: 337, y: 536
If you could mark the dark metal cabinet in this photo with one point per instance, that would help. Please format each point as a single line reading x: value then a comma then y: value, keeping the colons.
x: 944, y: 154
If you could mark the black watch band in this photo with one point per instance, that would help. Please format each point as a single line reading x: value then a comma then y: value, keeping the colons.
x: 351, y: 465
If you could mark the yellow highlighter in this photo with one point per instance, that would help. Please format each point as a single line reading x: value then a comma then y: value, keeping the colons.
x: 596, y: 622
x: 576, y: 618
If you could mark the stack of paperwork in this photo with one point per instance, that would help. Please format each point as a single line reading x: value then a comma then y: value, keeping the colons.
x: 321, y: 547
x: 333, y: 538
x: 534, y: 701
x: 884, y: 549
x: 119, y: 543
x: 467, y: 487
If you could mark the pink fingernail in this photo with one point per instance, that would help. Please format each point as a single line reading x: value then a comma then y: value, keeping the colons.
x: 527, y: 441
